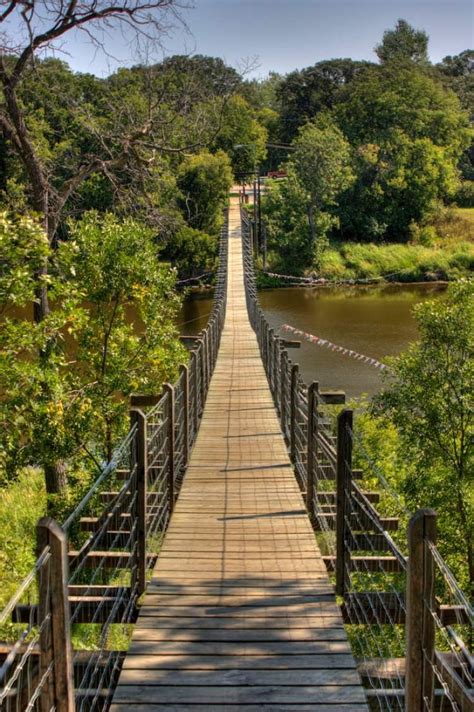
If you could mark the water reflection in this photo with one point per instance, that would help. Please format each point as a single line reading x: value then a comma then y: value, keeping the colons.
x: 195, y: 312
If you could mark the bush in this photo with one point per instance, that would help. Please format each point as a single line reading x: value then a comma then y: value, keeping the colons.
x: 192, y: 252
x: 465, y: 194
x: 22, y: 503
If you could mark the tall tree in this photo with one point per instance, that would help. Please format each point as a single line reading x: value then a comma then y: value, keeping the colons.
x: 242, y: 137
x: 303, y: 94
x: 408, y: 132
x: 28, y: 30
x: 204, y: 180
x: 322, y: 163
x: 403, y: 44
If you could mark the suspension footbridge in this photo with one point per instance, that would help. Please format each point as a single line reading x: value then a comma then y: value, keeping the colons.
x: 231, y: 555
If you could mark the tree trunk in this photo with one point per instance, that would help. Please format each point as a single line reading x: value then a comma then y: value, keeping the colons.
x: 108, y: 439
x: 312, y: 226
x: 55, y: 479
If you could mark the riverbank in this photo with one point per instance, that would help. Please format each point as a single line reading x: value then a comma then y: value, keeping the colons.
x: 366, y: 263
x: 440, y: 252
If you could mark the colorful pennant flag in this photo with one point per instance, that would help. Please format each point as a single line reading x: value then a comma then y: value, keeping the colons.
x: 334, y: 347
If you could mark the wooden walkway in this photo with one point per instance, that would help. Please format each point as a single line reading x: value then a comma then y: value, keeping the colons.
x: 240, y: 612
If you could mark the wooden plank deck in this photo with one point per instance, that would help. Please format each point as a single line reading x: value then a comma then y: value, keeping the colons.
x: 240, y: 612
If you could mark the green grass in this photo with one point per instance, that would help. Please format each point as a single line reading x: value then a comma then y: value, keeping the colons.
x: 396, y: 262
x: 22, y: 503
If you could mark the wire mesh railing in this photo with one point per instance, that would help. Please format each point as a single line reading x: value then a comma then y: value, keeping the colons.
x: 66, y: 630
x: 361, y: 532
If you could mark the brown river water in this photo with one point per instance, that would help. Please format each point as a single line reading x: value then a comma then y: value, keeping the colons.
x: 374, y: 320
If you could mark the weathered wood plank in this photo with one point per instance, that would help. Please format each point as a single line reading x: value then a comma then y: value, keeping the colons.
x: 272, y: 694
x: 331, y: 661
x: 239, y: 677
x: 240, y: 612
x: 314, y: 707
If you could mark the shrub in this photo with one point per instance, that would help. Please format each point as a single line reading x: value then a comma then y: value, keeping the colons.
x: 465, y: 194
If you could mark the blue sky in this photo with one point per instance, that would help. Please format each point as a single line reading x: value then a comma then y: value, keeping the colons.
x: 288, y: 34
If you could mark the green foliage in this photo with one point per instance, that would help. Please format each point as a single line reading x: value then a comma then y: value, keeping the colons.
x: 64, y: 381
x: 321, y: 161
x: 430, y: 402
x: 403, y: 98
x: 403, y: 44
x: 241, y: 136
x: 298, y: 210
x: 204, y: 181
x: 23, y: 249
x: 457, y: 73
x: 397, y: 263
x: 22, y: 503
x: 116, y: 267
x: 304, y: 94
x: 409, y: 133
x: 464, y: 196
x: 192, y: 252
x: 209, y: 77
x: 284, y: 208
x: 397, y: 184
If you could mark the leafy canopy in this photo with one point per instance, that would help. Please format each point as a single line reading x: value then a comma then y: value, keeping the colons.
x: 403, y: 44
x: 430, y: 402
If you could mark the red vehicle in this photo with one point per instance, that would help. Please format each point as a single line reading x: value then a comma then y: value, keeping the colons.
x: 276, y: 174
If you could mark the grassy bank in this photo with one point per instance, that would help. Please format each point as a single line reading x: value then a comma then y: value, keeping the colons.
x: 443, y: 251
x: 397, y: 263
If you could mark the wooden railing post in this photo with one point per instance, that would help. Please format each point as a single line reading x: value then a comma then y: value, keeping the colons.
x: 275, y: 367
x: 293, y: 409
x: 138, y: 419
x: 207, y: 341
x: 270, y: 358
x: 343, y: 484
x: 211, y: 347
x: 311, y: 449
x: 169, y: 390
x: 265, y: 347
x: 202, y: 364
x: 282, y: 366
x: 420, y: 626
x: 55, y: 636
x: 194, y: 404
x: 185, y: 371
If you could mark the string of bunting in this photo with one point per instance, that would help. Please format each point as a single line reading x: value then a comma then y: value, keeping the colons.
x: 334, y: 347
x: 291, y: 278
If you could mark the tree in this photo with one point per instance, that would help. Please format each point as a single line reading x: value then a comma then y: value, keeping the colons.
x: 135, y: 143
x: 398, y: 184
x: 65, y: 381
x: 191, y: 252
x: 322, y: 163
x: 207, y: 77
x: 284, y: 208
x: 204, y: 181
x: 116, y: 266
x: 408, y: 133
x: 119, y: 135
x: 241, y: 136
x: 403, y: 44
x: 457, y: 74
x: 403, y: 98
x: 302, y: 95
x: 430, y: 403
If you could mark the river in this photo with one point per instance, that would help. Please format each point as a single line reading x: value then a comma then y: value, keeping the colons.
x: 376, y: 321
